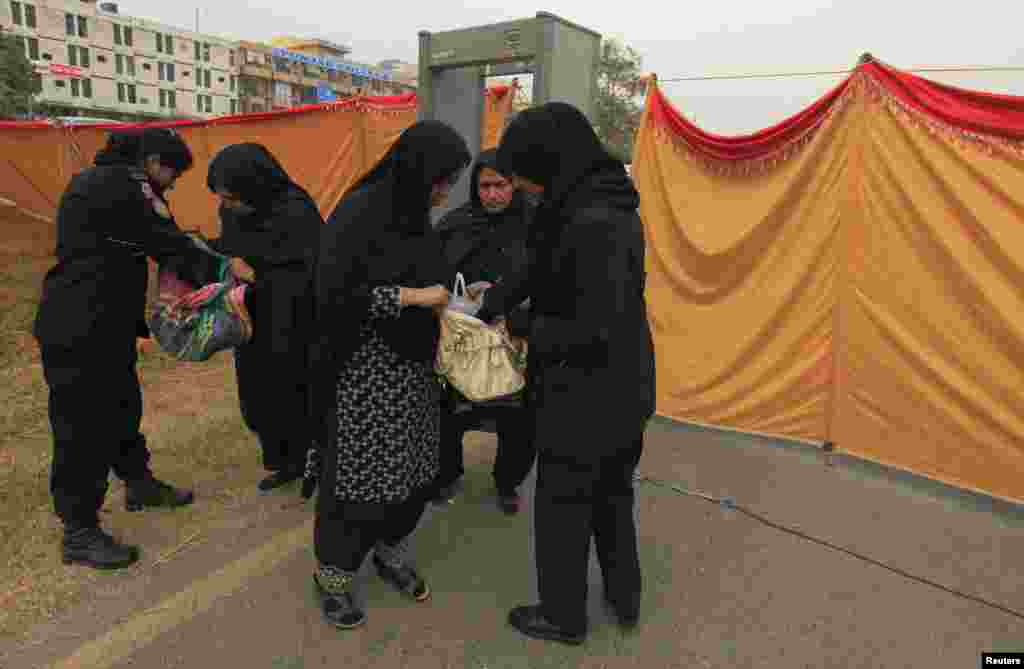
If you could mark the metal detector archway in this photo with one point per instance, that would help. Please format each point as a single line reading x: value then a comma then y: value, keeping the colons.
x: 562, y: 57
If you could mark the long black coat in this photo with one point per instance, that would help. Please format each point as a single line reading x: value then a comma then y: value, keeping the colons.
x: 273, y: 367
x: 591, y: 361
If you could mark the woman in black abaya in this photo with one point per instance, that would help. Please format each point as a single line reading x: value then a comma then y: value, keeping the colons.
x: 591, y: 365
x: 272, y: 224
x: 380, y: 285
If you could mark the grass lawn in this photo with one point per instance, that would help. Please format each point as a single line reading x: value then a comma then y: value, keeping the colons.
x: 191, y: 421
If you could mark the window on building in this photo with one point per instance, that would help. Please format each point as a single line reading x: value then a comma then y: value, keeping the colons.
x: 119, y: 63
x: 209, y: 104
x: 206, y: 52
x: 30, y: 45
x: 72, y: 55
x: 126, y: 93
x: 198, y: 47
x: 130, y: 61
x: 159, y: 43
x: 69, y: 24
x: 81, y: 88
x: 166, y: 71
x: 83, y: 27
x: 168, y: 45
x: 30, y: 16
x: 127, y: 36
x: 83, y: 57
x: 118, y: 39
x: 234, y: 106
x: 168, y: 100
x: 232, y: 85
x: 231, y: 58
x: 78, y: 56
x: 16, y: 16
x: 206, y: 80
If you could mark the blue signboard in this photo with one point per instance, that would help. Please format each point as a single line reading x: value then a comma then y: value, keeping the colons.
x: 325, y: 93
x: 330, y: 64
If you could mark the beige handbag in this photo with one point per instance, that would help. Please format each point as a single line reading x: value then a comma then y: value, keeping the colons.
x: 478, y: 359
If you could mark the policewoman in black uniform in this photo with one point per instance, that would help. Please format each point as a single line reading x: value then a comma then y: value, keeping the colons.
x: 109, y: 219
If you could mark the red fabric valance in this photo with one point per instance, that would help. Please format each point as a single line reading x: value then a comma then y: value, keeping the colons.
x: 976, y: 111
x: 741, y: 147
x: 970, y: 111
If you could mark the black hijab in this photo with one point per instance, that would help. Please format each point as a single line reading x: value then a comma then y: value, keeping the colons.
x: 554, y: 146
x: 252, y: 174
x: 380, y: 235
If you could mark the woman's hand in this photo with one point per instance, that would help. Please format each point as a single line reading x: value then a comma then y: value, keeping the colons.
x: 475, y: 291
x: 242, y: 270
x: 435, y: 297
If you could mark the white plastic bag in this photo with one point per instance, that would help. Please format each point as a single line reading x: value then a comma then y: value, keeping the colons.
x: 460, y: 301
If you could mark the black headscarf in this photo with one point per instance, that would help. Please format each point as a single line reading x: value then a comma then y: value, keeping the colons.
x: 251, y: 173
x: 380, y: 235
x: 554, y: 146
x: 132, y: 147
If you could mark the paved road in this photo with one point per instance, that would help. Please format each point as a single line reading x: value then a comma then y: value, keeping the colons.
x: 723, y: 590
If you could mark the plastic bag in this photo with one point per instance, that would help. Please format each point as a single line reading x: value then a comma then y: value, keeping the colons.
x: 460, y: 301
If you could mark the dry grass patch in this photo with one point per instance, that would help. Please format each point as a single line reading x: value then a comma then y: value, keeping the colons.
x: 193, y: 429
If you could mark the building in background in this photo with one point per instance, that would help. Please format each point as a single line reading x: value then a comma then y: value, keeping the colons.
x: 95, y: 61
x: 406, y: 74
x: 292, y: 71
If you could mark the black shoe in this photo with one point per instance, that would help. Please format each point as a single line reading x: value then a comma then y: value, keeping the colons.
x: 279, y: 478
x: 404, y: 578
x: 340, y: 610
x: 93, y: 547
x: 530, y: 621
x: 628, y: 617
x: 509, y: 501
x: 151, y: 492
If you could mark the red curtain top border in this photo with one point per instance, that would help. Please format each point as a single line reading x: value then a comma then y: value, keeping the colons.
x: 386, y: 103
x: 966, y: 110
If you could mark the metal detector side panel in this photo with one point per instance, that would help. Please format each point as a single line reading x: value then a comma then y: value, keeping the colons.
x: 458, y: 100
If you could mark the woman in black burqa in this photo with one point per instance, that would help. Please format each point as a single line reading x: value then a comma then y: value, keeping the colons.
x: 109, y: 219
x: 380, y: 287
x: 272, y: 224
x: 591, y: 364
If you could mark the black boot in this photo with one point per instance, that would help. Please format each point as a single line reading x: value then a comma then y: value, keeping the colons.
x: 91, y: 546
x: 530, y: 621
x: 151, y: 492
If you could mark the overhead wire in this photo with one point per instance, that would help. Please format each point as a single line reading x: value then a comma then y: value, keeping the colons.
x: 819, y: 73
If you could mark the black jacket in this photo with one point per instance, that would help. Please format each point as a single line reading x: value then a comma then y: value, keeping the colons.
x: 591, y: 362
x: 108, y: 221
x: 489, y: 247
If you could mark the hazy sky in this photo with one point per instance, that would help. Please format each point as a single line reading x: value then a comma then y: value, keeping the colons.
x: 674, y: 38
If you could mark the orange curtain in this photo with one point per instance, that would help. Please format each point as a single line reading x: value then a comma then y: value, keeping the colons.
x: 324, y: 148
x: 861, y: 286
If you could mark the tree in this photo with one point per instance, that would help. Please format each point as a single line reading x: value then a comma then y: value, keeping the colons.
x: 17, y: 78
x: 617, y: 106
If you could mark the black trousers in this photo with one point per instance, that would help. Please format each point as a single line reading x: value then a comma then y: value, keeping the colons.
x: 95, y: 408
x: 274, y: 413
x: 575, y: 500
x: 343, y: 534
x: 516, y: 450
